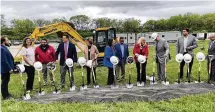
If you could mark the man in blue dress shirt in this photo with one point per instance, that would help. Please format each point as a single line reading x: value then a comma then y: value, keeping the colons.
x: 122, y: 53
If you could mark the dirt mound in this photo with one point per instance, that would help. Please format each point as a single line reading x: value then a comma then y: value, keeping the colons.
x: 122, y: 94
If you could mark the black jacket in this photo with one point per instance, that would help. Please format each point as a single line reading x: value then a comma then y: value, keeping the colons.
x: 71, y: 53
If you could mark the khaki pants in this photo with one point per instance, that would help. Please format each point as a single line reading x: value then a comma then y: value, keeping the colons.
x: 120, y: 67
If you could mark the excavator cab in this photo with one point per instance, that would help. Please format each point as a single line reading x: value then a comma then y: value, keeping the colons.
x: 100, y: 38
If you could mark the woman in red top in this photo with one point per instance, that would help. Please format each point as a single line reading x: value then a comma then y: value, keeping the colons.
x: 141, y: 48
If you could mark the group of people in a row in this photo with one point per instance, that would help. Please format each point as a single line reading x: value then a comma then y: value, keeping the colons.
x: 45, y: 53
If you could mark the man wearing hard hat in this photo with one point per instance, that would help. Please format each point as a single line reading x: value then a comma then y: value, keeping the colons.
x: 211, y: 52
x: 162, y: 55
x: 186, y: 44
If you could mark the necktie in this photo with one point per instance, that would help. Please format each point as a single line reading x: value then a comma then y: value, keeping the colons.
x: 65, y: 50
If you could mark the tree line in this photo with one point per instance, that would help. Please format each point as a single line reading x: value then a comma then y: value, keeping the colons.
x: 20, y: 28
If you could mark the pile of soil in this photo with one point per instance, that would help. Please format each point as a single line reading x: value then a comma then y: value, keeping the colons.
x: 123, y: 94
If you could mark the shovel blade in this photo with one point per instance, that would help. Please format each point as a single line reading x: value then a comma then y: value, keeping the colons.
x: 83, y: 87
x: 165, y: 83
x: 140, y: 84
x: 57, y: 92
x: 196, y: 82
x: 26, y: 97
x: 129, y: 85
x: 189, y: 82
x: 41, y: 93
x: 177, y: 83
x: 153, y: 83
x: 96, y: 86
x: 72, y: 88
x: 113, y: 86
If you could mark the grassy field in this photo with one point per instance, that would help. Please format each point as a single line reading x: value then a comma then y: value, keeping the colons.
x: 200, y: 103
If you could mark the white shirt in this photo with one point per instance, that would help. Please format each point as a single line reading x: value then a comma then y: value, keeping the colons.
x: 185, y: 43
x: 29, y: 53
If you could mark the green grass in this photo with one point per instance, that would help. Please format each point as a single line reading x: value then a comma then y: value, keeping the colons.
x: 190, y: 103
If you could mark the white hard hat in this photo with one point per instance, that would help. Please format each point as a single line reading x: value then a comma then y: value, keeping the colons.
x: 21, y: 68
x: 200, y: 56
x: 130, y: 59
x: 82, y: 61
x: 187, y: 58
x: 179, y: 58
x: 89, y: 63
x: 69, y: 62
x: 154, y: 36
x: 38, y: 66
x: 114, y: 60
x: 141, y: 58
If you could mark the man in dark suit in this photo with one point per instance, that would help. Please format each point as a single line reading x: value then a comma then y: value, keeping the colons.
x: 122, y: 53
x: 186, y: 44
x: 66, y: 50
x: 211, y: 51
x: 7, y: 65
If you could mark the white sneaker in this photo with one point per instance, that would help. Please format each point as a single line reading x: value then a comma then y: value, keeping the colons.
x: 72, y: 88
x: 165, y: 83
x: 28, y: 96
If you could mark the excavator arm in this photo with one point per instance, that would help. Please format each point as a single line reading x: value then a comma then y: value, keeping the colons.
x: 64, y: 27
x: 100, y: 36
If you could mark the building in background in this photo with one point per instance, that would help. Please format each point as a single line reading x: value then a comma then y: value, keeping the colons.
x: 131, y: 38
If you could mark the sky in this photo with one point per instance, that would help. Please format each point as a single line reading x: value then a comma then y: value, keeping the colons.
x: 143, y: 10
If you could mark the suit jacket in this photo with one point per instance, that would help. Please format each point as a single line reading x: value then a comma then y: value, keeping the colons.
x: 93, y: 53
x: 108, y: 53
x: 191, y: 44
x: 161, y: 48
x: 119, y: 52
x: 211, y: 50
x: 7, y: 61
x: 71, y: 53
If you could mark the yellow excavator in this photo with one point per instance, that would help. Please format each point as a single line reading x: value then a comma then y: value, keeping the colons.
x: 100, y: 35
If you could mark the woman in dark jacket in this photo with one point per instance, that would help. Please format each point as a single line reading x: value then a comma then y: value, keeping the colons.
x: 109, y: 51
x: 141, y: 48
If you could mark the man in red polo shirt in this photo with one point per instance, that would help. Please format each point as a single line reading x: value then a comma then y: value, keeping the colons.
x: 45, y: 53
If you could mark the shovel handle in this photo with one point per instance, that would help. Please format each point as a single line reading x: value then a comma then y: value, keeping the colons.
x: 188, y: 70
x: 40, y: 88
x: 179, y: 73
x: 38, y: 75
x: 209, y: 72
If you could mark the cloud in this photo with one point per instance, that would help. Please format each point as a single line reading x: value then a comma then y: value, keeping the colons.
x: 143, y: 10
